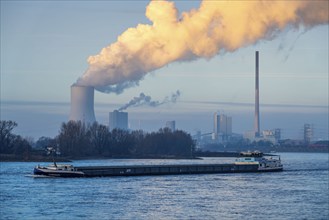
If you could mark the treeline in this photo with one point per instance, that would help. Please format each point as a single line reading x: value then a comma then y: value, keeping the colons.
x: 11, y: 143
x: 286, y: 145
x: 239, y: 145
x: 75, y: 139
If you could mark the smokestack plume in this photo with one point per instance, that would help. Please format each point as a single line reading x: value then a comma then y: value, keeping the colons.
x: 82, y: 104
x: 257, y: 128
x: 215, y: 27
x: 143, y: 99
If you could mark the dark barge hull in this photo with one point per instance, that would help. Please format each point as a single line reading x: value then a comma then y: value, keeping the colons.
x: 144, y: 170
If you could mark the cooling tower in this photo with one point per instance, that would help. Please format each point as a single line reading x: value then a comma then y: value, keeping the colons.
x: 82, y: 104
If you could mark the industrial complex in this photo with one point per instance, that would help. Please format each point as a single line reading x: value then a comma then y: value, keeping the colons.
x: 82, y: 109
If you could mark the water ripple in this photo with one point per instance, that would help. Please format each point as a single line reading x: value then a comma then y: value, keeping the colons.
x: 299, y: 192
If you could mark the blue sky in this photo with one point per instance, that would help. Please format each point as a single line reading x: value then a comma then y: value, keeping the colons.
x: 45, y: 46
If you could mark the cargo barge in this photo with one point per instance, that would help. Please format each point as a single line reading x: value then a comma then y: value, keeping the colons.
x: 246, y: 163
x: 143, y: 170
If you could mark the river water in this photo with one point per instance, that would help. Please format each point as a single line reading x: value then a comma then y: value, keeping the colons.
x: 301, y: 191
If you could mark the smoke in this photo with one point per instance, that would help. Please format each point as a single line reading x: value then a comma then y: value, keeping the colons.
x: 215, y: 27
x: 291, y: 47
x: 143, y: 99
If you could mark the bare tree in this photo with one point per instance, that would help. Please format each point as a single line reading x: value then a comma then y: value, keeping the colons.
x: 99, y: 137
x: 6, y: 137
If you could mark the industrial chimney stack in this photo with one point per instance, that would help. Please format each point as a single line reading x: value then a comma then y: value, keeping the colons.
x: 256, y: 125
x: 82, y: 104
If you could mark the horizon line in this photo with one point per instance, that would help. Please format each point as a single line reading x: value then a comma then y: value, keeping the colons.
x: 245, y: 104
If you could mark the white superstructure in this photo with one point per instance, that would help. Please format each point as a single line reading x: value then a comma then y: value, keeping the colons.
x: 265, y: 163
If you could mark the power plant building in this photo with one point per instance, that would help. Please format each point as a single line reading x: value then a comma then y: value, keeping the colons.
x: 273, y: 136
x: 171, y: 125
x: 222, y: 127
x: 308, y: 133
x: 118, y: 120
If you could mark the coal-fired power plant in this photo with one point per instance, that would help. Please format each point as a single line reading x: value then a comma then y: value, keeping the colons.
x: 256, y: 126
x: 82, y: 104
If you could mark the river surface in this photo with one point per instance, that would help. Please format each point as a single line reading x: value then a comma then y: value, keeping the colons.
x: 301, y: 191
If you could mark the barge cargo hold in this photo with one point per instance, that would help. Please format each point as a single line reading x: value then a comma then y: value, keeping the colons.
x: 143, y: 170
x: 246, y: 163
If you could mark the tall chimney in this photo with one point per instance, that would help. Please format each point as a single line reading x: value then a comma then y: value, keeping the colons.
x: 82, y: 104
x: 256, y: 123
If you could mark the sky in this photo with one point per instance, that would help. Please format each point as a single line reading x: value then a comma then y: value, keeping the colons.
x: 45, y: 47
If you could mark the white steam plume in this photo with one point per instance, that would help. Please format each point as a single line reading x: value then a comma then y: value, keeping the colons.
x: 143, y: 99
x: 215, y: 27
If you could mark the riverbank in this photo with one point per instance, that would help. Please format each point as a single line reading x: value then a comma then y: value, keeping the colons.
x: 197, y: 155
x: 30, y: 158
x: 39, y: 158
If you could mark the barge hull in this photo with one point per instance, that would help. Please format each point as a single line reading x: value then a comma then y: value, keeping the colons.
x: 145, y: 170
